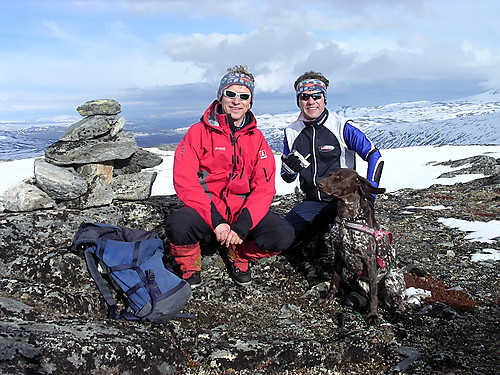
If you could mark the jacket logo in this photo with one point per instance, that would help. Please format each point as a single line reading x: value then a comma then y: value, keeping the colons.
x: 263, y: 154
x: 218, y: 148
x: 326, y: 148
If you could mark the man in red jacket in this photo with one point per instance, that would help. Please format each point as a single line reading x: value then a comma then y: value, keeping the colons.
x: 224, y: 173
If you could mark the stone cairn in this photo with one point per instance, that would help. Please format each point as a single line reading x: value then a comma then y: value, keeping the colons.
x: 93, y: 163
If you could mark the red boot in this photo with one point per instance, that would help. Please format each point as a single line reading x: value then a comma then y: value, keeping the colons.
x: 188, y: 257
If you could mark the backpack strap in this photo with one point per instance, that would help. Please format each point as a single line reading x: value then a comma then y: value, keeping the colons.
x: 113, y: 314
x: 102, y: 285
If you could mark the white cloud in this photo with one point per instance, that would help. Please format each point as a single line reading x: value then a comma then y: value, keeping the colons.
x: 96, y: 48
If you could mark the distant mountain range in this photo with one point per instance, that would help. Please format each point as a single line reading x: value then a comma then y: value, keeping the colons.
x: 471, y: 120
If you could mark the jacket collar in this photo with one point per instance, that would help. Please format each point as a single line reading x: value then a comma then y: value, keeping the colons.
x: 214, y: 118
x: 320, y: 120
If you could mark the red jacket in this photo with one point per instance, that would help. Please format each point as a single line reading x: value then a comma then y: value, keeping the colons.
x: 225, y: 177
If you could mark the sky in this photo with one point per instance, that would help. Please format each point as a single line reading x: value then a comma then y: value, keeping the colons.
x: 163, y: 60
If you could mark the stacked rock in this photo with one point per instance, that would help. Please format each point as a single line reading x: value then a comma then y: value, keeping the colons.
x: 94, y: 162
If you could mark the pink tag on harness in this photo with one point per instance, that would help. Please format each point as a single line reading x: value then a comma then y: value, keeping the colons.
x: 380, y: 262
x: 379, y: 234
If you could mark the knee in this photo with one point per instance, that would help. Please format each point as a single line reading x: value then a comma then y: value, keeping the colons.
x: 285, y: 237
x: 181, y: 226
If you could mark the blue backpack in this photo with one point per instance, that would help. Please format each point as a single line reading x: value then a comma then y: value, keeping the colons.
x: 131, y: 261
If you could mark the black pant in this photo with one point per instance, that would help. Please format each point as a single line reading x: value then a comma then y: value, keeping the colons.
x: 186, y: 227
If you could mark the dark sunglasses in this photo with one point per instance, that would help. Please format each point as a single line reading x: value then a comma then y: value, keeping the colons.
x: 242, y: 95
x: 305, y: 97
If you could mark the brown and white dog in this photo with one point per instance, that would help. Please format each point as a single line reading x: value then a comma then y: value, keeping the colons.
x: 361, y: 246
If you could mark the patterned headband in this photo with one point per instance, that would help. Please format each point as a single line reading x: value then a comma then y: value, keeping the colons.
x: 235, y: 78
x: 311, y: 85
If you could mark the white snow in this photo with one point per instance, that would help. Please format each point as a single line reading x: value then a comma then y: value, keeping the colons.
x: 478, y: 230
x: 485, y: 255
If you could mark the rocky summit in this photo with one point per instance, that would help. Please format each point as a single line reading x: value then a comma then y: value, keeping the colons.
x: 54, y: 320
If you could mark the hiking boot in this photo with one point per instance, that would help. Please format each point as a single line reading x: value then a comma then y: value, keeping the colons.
x: 194, y: 280
x: 355, y: 301
x: 239, y: 277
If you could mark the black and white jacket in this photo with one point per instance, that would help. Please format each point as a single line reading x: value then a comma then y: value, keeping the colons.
x: 328, y: 143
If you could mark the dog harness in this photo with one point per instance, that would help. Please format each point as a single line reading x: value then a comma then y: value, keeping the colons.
x: 377, y: 234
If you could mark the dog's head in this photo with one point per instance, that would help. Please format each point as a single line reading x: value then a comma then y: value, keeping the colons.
x: 344, y: 181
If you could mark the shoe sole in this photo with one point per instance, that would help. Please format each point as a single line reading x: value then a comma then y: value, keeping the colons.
x: 194, y: 286
x: 239, y: 283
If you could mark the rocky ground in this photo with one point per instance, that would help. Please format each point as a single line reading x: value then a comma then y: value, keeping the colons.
x: 54, y: 321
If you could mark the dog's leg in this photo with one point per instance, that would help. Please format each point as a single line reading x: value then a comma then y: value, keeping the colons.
x: 394, y: 286
x: 371, y: 268
x: 335, y: 282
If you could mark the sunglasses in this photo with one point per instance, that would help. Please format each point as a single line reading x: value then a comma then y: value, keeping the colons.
x: 242, y: 95
x: 305, y: 97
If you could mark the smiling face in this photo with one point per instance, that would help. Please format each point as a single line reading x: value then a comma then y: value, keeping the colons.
x: 235, y: 107
x: 312, y: 108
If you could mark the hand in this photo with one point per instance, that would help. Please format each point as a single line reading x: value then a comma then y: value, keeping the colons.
x: 225, y: 236
x: 232, y: 240
x: 291, y: 164
x: 221, y: 232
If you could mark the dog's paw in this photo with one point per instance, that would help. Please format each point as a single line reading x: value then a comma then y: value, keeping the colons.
x: 372, y: 319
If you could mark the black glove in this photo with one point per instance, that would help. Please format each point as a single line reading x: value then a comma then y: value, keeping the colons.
x: 291, y: 164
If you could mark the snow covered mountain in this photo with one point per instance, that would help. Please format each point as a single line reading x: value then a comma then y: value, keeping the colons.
x: 472, y: 120
x: 466, y: 121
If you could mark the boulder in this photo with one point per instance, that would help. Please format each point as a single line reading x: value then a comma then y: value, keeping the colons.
x: 88, y: 171
x: 140, y: 160
x: 58, y: 182
x: 25, y: 196
x: 99, y: 107
x: 135, y: 186
x: 108, y: 147
x: 117, y: 126
x: 54, y: 320
x: 90, y: 127
x: 99, y: 193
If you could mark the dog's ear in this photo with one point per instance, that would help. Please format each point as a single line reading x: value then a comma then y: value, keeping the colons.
x: 367, y: 188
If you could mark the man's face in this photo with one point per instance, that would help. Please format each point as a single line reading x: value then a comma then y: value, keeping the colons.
x: 235, y: 107
x: 309, y: 106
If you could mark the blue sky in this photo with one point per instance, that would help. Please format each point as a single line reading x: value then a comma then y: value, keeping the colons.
x: 164, y: 59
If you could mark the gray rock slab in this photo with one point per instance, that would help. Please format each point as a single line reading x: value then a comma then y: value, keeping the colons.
x: 99, y: 193
x: 59, y: 183
x: 78, y: 347
x: 142, y: 159
x: 88, y: 171
x: 117, y: 126
x: 25, y: 196
x: 87, y: 151
x: 99, y: 107
x: 90, y: 127
x: 135, y: 186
